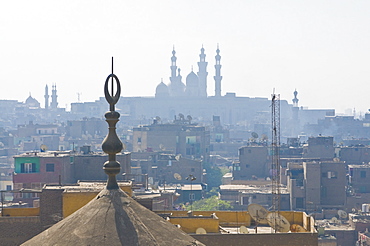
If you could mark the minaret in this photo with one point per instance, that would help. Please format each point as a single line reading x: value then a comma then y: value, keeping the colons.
x: 54, y: 102
x: 295, y: 99
x: 46, y: 96
x: 173, y: 66
x: 218, y: 76
x: 202, y: 74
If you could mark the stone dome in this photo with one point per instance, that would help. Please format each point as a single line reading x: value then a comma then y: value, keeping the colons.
x: 32, y: 102
x: 192, y: 80
x: 113, y: 218
x: 162, y: 90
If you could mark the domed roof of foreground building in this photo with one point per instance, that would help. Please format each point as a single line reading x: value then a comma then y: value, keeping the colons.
x: 113, y: 218
x: 162, y: 90
x: 192, y: 80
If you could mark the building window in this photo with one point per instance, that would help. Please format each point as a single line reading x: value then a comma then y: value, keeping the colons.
x: 324, y: 192
x: 28, y: 167
x: 362, y: 189
x: 26, y: 195
x: 236, y: 167
x: 50, y: 167
x: 299, y: 202
x: 191, y: 196
x: 332, y: 175
x: 192, y: 170
x: 363, y: 174
x: 8, y: 187
x: 247, y: 165
x: 191, y: 139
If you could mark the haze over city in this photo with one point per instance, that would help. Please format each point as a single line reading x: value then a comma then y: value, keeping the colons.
x: 319, y: 48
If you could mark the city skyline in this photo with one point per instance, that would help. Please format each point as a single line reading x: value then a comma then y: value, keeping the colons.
x: 319, y: 48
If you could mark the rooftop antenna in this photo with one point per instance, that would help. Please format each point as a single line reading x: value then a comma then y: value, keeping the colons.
x: 79, y: 97
x: 275, y: 165
x: 112, y: 144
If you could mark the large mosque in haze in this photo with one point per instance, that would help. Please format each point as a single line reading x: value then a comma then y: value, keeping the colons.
x: 196, y: 83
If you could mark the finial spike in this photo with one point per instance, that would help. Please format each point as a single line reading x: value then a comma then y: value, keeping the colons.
x: 112, y: 144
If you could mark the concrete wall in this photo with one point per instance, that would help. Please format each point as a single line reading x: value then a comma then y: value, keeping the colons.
x: 72, y: 201
x: 226, y: 218
x: 276, y: 239
x: 89, y: 167
x: 335, y: 192
x: 21, y: 212
x: 312, y: 176
x: 253, y: 161
x: 191, y: 224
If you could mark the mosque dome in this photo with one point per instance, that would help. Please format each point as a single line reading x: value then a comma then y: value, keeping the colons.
x: 32, y: 102
x: 162, y: 90
x: 192, y: 80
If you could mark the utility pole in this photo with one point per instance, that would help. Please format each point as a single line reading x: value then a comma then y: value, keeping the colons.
x: 191, y: 178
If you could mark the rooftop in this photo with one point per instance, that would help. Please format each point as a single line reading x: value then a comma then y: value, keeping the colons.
x: 253, y: 188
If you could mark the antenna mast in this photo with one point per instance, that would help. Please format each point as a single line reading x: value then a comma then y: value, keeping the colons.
x: 275, y: 148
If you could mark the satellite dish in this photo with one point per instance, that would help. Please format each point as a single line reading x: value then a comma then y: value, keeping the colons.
x: 201, y: 230
x: 334, y: 220
x: 189, y: 118
x: 243, y: 230
x: 177, y: 176
x: 258, y: 213
x: 254, y: 135
x: 178, y: 157
x: 342, y: 214
x: 336, y: 159
x: 278, y: 222
x: 158, y: 118
x: 161, y: 146
x: 43, y: 147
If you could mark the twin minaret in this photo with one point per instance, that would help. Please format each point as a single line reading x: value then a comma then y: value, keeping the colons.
x: 54, y: 96
x: 196, y: 84
x: 218, y: 76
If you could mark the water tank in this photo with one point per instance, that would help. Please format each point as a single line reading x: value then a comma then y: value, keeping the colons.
x: 365, y: 208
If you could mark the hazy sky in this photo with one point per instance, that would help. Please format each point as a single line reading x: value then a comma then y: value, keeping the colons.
x: 319, y: 47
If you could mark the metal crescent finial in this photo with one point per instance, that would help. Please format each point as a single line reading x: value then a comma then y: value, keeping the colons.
x: 112, y: 144
x: 112, y: 98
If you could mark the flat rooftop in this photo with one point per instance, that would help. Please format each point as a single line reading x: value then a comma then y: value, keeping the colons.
x: 253, y: 188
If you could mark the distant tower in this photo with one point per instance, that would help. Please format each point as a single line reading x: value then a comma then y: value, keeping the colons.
x: 202, y: 74
x: 173, y: 66
x: 54, y: 102
x: 176, y: 86
x: 46, y: 96
x: 218, y: 76
x: 295, y: 99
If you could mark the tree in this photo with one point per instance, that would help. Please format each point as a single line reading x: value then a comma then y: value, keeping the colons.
x: 210, y: 204
x: 214, y: 175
